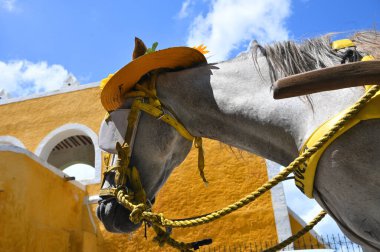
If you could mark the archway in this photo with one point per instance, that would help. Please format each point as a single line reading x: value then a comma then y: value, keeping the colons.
x: 69, y: 145
x: 72, y: 150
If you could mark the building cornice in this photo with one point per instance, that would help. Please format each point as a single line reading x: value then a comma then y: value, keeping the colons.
x: 57, y: 92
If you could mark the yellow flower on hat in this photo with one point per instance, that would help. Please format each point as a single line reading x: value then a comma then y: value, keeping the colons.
x: 104, y: 81
x: 202, y: 48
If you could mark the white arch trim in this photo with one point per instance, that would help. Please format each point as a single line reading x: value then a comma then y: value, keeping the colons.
x: 11, y: 140
x: 67, y: 130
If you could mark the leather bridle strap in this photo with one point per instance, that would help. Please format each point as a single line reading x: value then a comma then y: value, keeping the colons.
x: 126, y: 176
x: 161, y: 115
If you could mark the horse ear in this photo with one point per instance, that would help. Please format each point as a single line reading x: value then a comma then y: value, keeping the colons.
x: 140, y: 48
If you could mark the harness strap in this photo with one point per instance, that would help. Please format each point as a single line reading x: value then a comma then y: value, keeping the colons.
x: 154, y: 109
x: 124, y: 174
x: 160, y: 115
x: 201, y: 158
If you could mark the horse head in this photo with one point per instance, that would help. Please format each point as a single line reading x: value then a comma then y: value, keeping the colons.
x: 157, y: 149
x: 145, y: 142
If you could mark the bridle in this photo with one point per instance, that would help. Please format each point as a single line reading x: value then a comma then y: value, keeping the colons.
x: 127, y: 177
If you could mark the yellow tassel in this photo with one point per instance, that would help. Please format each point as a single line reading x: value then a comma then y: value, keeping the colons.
x: 201, y: 158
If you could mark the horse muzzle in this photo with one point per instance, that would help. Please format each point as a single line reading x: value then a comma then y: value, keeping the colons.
x: 115, y: 217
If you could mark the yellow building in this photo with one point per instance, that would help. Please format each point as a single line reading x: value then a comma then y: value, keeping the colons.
x: 42, y: 209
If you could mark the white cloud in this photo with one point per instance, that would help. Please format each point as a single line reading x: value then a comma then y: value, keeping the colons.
x: 22, y: 77
x: 8, y: 5
x: 230, y: 23
x: 184, y: 12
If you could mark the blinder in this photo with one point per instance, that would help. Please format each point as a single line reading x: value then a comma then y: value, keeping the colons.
x: 113, y: 129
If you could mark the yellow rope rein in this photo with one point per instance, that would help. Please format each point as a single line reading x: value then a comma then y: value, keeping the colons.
x: 139, y: 212
x: 300, y: 233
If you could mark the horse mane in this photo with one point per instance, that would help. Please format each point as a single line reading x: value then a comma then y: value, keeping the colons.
x: 368, y: 42
x: 288, y: 57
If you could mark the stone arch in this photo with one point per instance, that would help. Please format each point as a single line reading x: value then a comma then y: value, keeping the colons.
x: 56, y: 148
x: 12, y: 141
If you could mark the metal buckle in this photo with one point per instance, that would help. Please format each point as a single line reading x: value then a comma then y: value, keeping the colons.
x: 162, y: 115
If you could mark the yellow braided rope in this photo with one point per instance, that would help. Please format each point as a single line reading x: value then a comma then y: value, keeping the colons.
x: 163, y: 237
x: 300, y: 233
x: 159, y: 219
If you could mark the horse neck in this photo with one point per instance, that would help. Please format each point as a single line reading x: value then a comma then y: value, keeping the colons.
x: 232, y: 103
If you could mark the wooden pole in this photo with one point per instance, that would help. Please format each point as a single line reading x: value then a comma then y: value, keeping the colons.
x: 330, y: 78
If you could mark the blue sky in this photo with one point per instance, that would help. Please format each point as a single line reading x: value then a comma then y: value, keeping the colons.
x: 42, y: 43
x: 90, y: 39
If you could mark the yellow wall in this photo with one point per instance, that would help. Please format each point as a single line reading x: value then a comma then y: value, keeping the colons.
x: 307, y: 241
x: 31, y: 120
x: 231, y: 176
x: 42, y: 212
x: 39, y: 210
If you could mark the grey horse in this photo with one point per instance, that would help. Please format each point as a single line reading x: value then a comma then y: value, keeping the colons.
x: 232, y: 102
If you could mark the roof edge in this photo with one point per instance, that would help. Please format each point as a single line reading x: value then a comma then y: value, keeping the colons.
x: 51, y: 93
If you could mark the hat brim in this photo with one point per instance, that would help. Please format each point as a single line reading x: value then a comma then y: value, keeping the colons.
x: 124, y: 79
